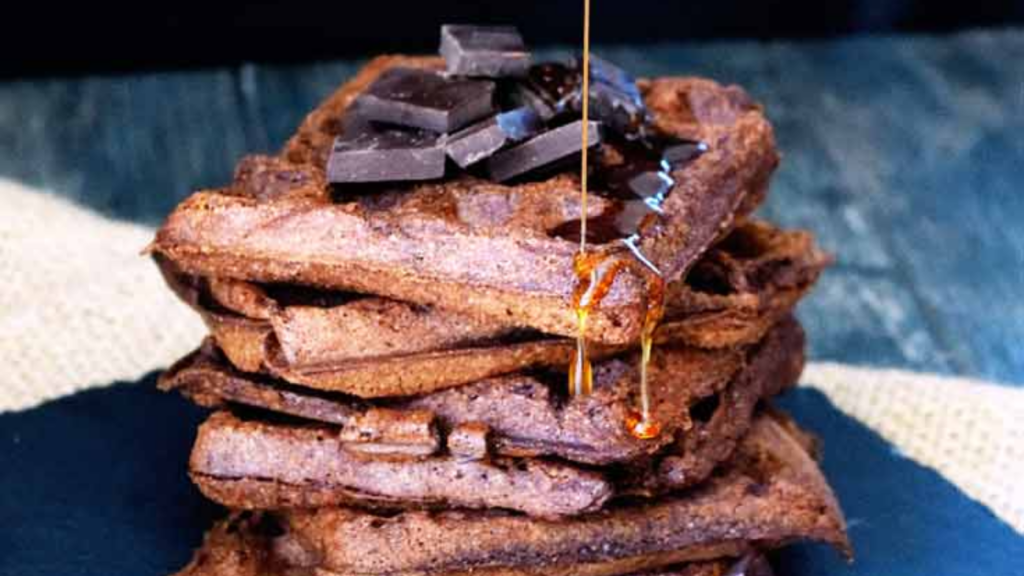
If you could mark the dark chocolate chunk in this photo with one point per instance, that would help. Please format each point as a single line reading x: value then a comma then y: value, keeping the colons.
x: 643, y: 173
x: 681, y: 152
x: 631, y: 216
x: 481, y: 140
x: 652, y: 186
x: 385, y: 154
x: 604, y: 72
x: 541, y: 150
x: 520, y: 96
x: 552, y: 87
x: 487, y: 51
x: 615, y: 99
x: 426, y: 99
x: 641, y: 180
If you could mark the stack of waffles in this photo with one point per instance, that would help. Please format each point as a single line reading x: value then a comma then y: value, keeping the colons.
x: 393, y: 304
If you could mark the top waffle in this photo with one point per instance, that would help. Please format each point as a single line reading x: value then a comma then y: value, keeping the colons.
x: 466, y: 243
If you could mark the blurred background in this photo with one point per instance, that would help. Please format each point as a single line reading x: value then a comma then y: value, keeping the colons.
x: 44, y: 38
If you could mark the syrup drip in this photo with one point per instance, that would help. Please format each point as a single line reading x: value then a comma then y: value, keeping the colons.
x: 594, y: 277
x: 641, y: 183
x: 581, y: 377
x: 595, y: 274
x: 642, y: 424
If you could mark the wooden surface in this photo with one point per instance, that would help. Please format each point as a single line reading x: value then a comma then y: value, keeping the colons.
x: 905, y: 156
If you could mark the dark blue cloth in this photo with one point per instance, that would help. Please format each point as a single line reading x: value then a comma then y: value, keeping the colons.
x: 95, y: 484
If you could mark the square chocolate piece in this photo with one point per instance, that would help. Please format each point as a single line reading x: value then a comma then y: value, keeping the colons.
x: 541, y: 150
x: 485, y: 51
x: 481, y: 140
x: 426, y: 99
x: 372, y: 154
x: 615, y: 99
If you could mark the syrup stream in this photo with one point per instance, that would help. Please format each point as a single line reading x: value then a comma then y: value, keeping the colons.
x: 586, y: 126
x: 580, y: 375
x: 595, y: 275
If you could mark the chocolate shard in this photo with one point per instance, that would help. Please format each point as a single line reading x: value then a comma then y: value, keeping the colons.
x: 383, y: 155
x: 520, y: 95
x: 642, y: 179
x: 552, y: 88
x: 651, y: 184
x: 604, y: 72
x: 679, y: 153
x: 481, y: 140
x: 615, y: 99
x: 426, y: 99
x: 484, y: 51
x: 542, y: 150
x: 557, y: 83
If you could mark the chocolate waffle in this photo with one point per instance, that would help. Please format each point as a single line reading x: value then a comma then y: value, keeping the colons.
x: 770, y: 493
x: 369, y: 346
x: 242, y: 545
x: 482, y: 445
x: 466, y: 244
x: 395, y: 298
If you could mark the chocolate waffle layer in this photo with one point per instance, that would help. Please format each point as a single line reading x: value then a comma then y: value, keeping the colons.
x: 466, y: 244
x: 256, y: 465
x: 370, y: 346
x: 771, y: 493
x: 485, y: 445
x: 243, y: 546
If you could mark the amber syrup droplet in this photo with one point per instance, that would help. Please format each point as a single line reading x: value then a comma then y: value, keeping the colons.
x: 642, y: 428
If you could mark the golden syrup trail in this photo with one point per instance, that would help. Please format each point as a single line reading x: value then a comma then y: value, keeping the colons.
x: 642, y: 424
x: 594, y: 277
x: 586, y: 125
x: 581, y: 380
x: 580, y: 376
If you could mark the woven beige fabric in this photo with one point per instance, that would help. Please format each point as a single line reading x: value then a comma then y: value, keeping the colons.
x: 81, y: 308
x: 970, y: 431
